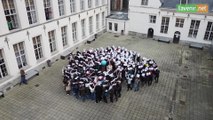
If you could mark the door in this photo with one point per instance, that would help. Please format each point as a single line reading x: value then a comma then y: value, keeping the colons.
x: 150, y: 33
x: 176, y: 37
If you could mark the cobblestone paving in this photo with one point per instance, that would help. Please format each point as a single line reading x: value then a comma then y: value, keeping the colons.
x: 184, y: 91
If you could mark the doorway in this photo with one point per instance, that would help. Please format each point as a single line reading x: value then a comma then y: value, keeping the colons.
x: 176, y: 37
x: 150, y: 33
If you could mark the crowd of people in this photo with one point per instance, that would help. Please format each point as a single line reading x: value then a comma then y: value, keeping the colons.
x: 98, y: 74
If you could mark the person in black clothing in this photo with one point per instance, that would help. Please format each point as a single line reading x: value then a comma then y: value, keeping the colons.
x: 98, y: 93
x: 157, y: 74
x: 111, y: 93
x: 119, y: 88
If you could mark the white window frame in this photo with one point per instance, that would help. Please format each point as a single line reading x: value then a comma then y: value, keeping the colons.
x: 152, y: 18
x: 64, y: 36
x: 37, y: 45
x: 144, y: 2
x: 48, y: 10
x: 61, y: 7
x: 20, y: 54
x: 3, y: 67
x: 209, y: 32
x: 165, y: 25
x: 72, y: 6
x: 31, y: 11
x: 83, y: 28
x: 194, y: 27
x: 97, y: 22
x: 179, y: 22
x: 52, y: 41
x: 74, y: 32
x: 10, y: 14
x: 91, y: 25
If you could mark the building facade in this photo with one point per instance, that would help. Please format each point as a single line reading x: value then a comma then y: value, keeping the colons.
x: 158, y: 18
x: 34, y: 31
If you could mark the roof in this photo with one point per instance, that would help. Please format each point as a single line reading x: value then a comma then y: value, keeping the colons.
x: 119, y: 15
x: 172, y: 3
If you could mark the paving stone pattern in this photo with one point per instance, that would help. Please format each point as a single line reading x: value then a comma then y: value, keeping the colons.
x: 184, y: 91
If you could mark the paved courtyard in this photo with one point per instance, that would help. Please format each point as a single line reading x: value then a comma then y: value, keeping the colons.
x: 184, y: 91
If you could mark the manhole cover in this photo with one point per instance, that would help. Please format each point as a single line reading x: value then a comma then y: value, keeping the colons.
x: 36, y: 85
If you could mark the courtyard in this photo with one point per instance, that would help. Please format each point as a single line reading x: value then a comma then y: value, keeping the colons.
x: 184, y: 90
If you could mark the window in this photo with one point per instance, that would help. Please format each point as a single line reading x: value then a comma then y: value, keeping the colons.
x: 110, y: 26
x: 10, y: 14
x: 97, y: 22
x: 103, y: 2
x: 90, y: 25
x: 116, y: 26
x: 3, y: 69
x: 82, y: 5
x: 20, y: 54
x: 183, y: 1
x: 164, y: 25
x: 179, y: 22
x: 193, y: 30
x: 89, y: 3
x: 61, y: 7
x: 37, y: 47
x: 152, y: 19
x: 209, y: 32
x: 144, y: 2
x: 31, y: 13
x: 72, y: 6
x: 74, y: 31
x: 48, y: 9
x: 51, y: 36
x: 83, y: 28
x: 96, y: 3
x: 64, y: 35
x: 103, y: 18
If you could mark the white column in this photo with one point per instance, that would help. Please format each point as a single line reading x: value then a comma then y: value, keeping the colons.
x: 77, y: 5
x: 69, y: 35
x: 67, y: 7
x: 55, y: 9
x: 79, y: 33
x: 4, y: 28
x: 87, y: 26
x: 22, y: 13
x: 108, y: 7
x: 46, y: 48
x: 58, y: 38
x: 29, y: 50
x: 40, y: 11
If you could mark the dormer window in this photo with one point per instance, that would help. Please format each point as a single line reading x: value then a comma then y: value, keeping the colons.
x: 144, y: 2
x: 183, y: 1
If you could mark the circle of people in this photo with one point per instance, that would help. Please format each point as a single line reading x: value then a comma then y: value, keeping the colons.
x: 98, y: 74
